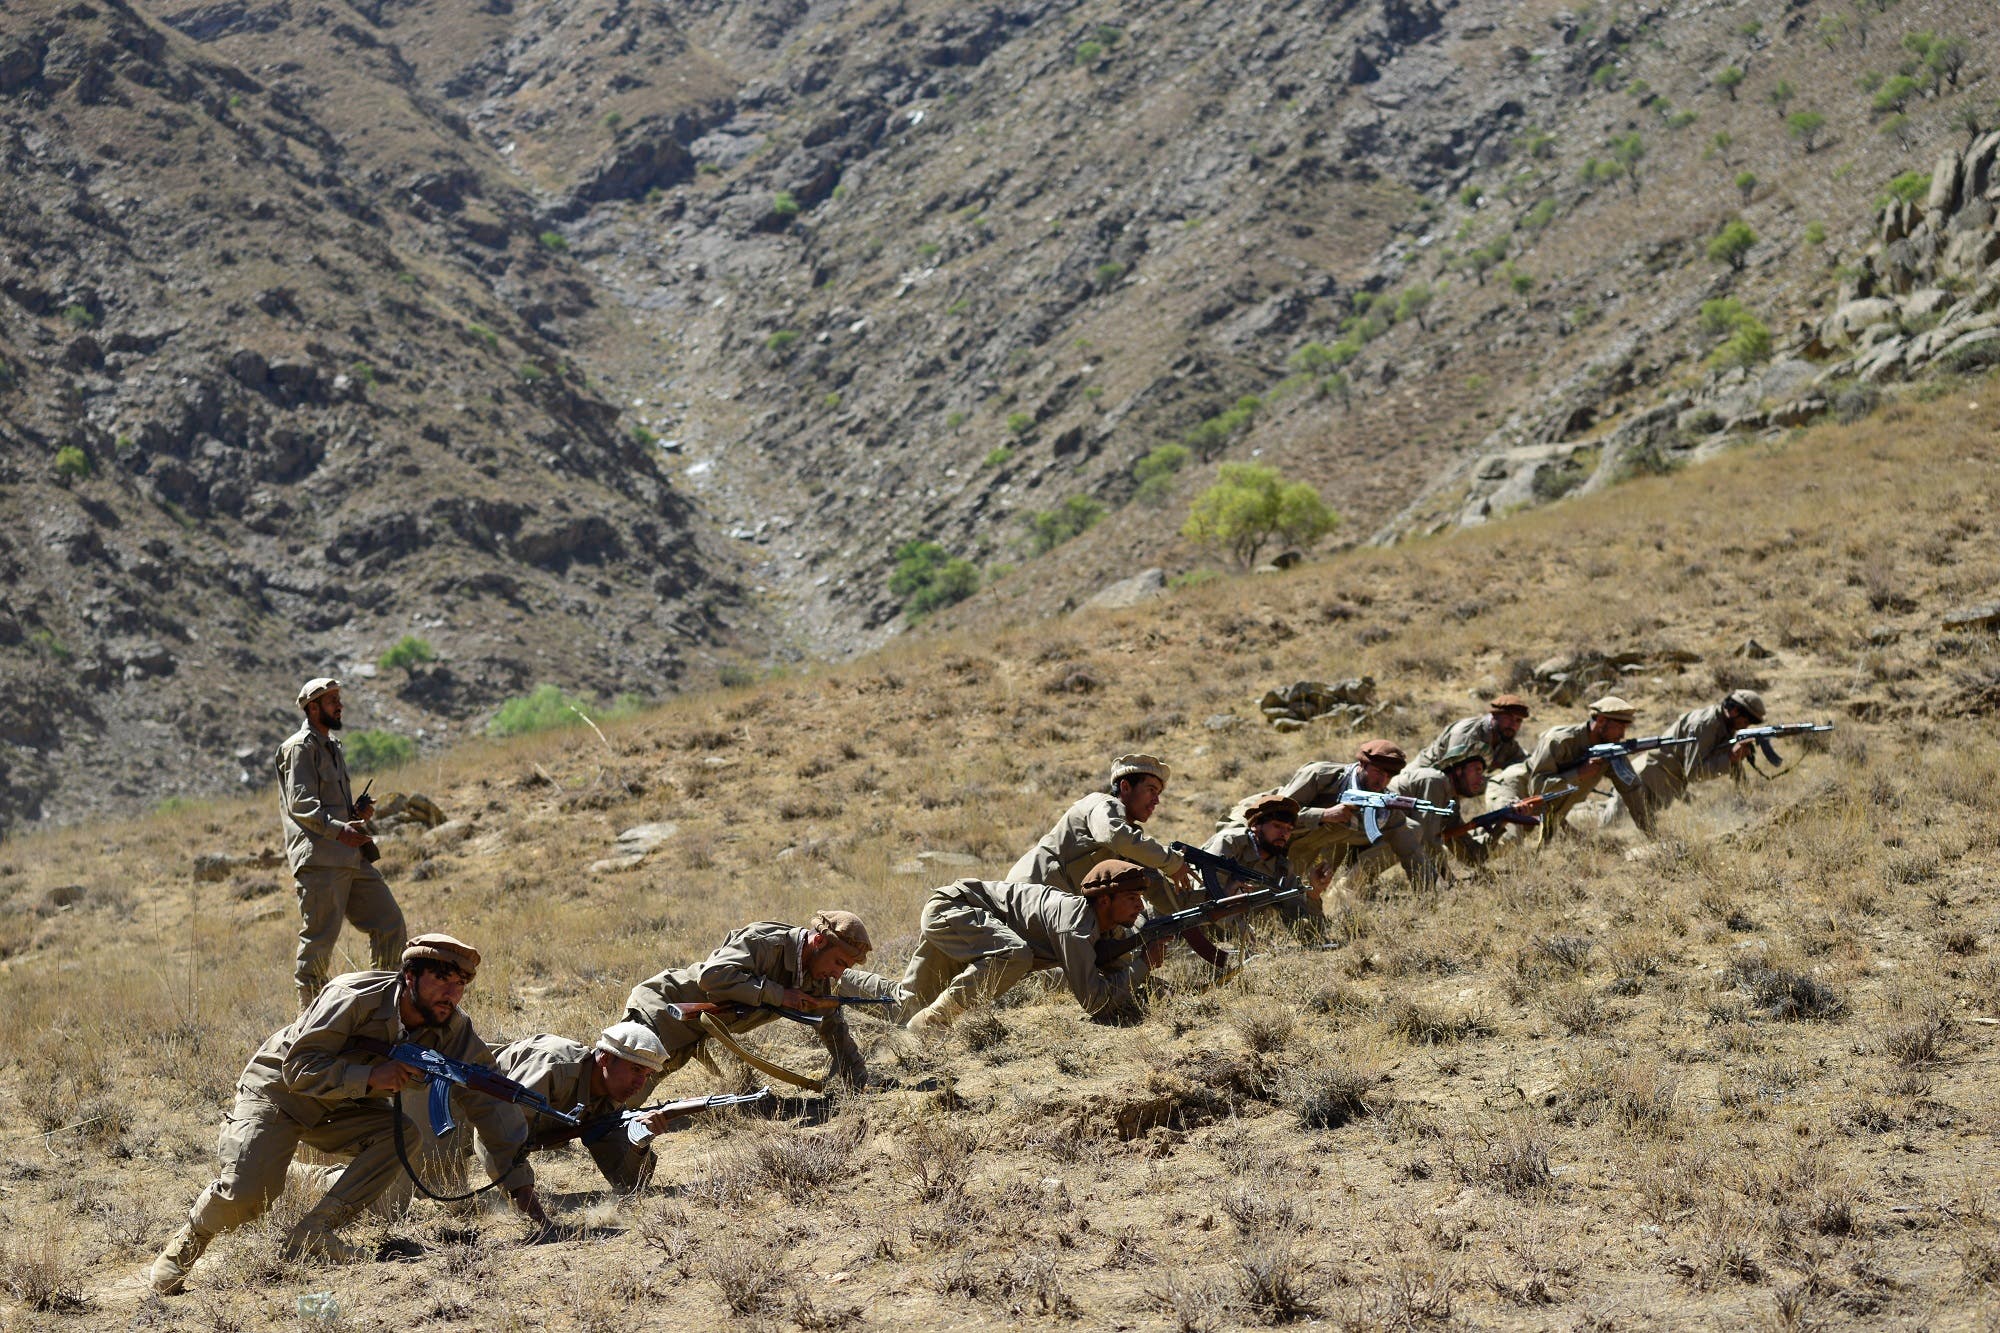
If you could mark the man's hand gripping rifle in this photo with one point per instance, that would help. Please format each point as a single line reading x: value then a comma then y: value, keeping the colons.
x: 1763, y: 736
x: 445, y: 1073
x: 1526, y: 812
x: 1371, y: 804
x: 1617, y: 754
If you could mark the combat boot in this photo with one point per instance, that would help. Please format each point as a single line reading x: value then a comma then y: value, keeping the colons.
x: 315, y: 1238
x: 939, y: 1014
x: 168, y: 1274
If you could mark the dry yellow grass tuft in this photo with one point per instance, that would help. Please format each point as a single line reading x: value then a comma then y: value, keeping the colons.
x: 1743, y: 1075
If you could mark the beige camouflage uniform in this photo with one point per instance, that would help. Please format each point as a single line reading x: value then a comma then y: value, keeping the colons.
x: 1664, y: 775
x: 559, y: 1069
x: 308, y: 1085
x: 334, y: 882
x: 1557, y: 749
x: 979, y: 938
x: 1094, y: 830
x: 753, y: 966
x: 1475, y: 735
x: 1317, y: 788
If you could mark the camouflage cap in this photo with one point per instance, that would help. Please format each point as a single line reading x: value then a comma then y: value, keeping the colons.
x: 1111, y: 877
x: 1459, y: 754
x: 1509, y: 703
x: 315, y: 687
x: 634, y: 1042
x: 845, y: 927
x: 1138, y: 765
x: 1749, y: 701
x: 1385, y: 755
x: 443, y: 949
x: 1270, y: 805
x: 1614, y: 709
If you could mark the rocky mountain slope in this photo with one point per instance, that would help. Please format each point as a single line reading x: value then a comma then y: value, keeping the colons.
x: 592, y: 341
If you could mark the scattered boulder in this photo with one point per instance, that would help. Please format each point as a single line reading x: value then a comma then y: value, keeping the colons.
x: 643, y: 838
x: 1143, y: 586
x: 1351, y: 701
x: 1985, y: 616
x: 214, y: 867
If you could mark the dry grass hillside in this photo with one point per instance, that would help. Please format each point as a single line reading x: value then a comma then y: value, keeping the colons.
x: 1742, y: 1076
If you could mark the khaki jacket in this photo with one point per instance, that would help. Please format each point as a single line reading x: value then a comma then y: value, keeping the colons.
x: 753, y: 966
x: 1317, y: 788
x: 559, y: 1069
x: 1701, y: 762
x: 311, y: 1068
x: 1060, y: 929
x: 1557, y: 749
x: 1095, y: 829
x: 1477, y: 734
x: 314, y: 792
x: 1425, y: 784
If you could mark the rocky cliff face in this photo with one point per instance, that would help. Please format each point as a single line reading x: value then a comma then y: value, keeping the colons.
x: 540, y: 328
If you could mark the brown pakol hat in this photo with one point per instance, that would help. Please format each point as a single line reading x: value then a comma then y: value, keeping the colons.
x: 845, y: 927
x: 1749, y: 701
x: 444, y: 949
x: 1385, y: 755
x: 1111, y: 876
x: 1509, y: 703
x: 1270, y: 806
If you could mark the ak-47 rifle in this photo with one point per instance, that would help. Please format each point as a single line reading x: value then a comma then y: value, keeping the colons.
x: 602, y: 1127
x: 1619, y: 754
x: 1508, y: 814
x: 689, y: 1011
x: 445, y: 1073
x: 1373, y: 803
x: 1193, y: 918
x: 1214, y: 867
x: 1764, y: 735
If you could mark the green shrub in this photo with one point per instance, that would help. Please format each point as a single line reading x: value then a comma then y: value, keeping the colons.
x: 1730, y: 80
x: 484, y: 334
x: 1155, y: 473
x: 1109, y: 272
x: 643, y: 437
x: 1088, y: 53
x: 734, y: 675
x: 370, y: 751
x: 1722, y: 315
x: 408, y: 652
x: 1194, y: 578
x: 530, y: 373
x: 1746, y: 184
x: 1540, y: 216
x: 831, y: 401
x: 1413, y: 301
x: 1732, y: 243
x: 612, y: 120
x: 79, y: 316
x: 1815, y: 233
x: 1020, y: 423
x: 929, y: 249
x: 1806, y: 127
x: 72, y: 462
x: 1912, y: 187
x: 1521, y: 282
x: 1749, y: 344
x: 1051, y: 528
x: 1471, y: 195
x: 784, y: 205
x: 1252, y: 505
x: 927, y: 577
x: 1554, y: 481
x: 780, y: 340
x: 1894, y: 94
x: 1312, y: 359
x: 547, y: 707
x: 553, y: 240
x: 1210, y: 437
x: 998, y: 455
x: 953, y: 420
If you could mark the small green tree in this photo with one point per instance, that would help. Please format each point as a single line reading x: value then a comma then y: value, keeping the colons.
x: 1747, y: 345
x: 784, y: 205
x: 1894, y: 94
x: 1730, y: 80
x: 927, y: 578
x: 1413, y: 302
x: 72, y: 463
x: 1051, y: 528
x: 1251, y: 506
x: 1831, y: 28
x: 1731, y: 244
x: 1312, y: 359
x: 1746, y: 184
x: 1900, y: 128
x: 1540, y: 216
x: 407, y: 652
x: 546, y: 707
x: 553, y: 240
x: 1781, y: 96
x: 1910, y: 188
x: 1628, y: 150
x: 1722, y: 315
x: 1020, y: 423
x: 1806, y: 127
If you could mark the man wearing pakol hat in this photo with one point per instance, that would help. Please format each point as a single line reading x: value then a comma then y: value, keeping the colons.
x: 308, y: 1084
x: 1562, y: 748
x: 1490, y: 735
x: 1104, y: 826
x: 604, y: 1079
x: 979, y: 938
x: 1414, y: 841
x: 1664, y: 774
x: 1259, y: 843
x: 1325, y: 827
x: 765, y: 965
x: 327, y: 845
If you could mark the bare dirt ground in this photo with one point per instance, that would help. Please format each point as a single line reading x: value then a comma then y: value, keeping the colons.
x: 1742, y: 1076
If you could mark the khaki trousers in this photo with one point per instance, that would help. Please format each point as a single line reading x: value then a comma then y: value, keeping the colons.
x: 966, y: 953
x: 256, y: 1146
x: 1661, y: 784
x: 327, y: 896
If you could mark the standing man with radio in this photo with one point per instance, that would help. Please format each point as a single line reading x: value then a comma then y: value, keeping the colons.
x: 331, y: 855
